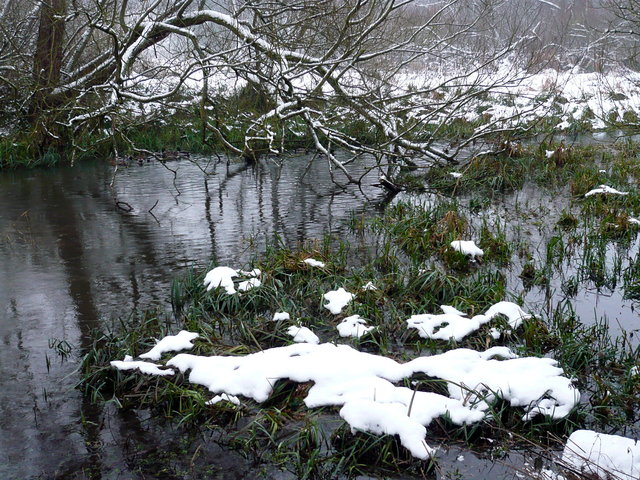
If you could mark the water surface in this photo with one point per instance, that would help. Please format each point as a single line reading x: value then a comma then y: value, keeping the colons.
x: 71, y: 259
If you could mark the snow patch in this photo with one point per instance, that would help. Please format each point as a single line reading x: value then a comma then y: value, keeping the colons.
x: 365, y: 385
x: 607, y: 456
x: 224, y: 398
x: 604, y: 189
x: 467, y: 247
x: 221, y: 277
x: 249, y: 284
x: 281, y: 316
x: 452, y: 310
x: 144, y: 367
x: 369, y: 286
x: 338, y: 299
x: 454, y: 324
x: 353, y: 326
x: 171, y: 343
x: 302, y: 335
x: 314, y: 263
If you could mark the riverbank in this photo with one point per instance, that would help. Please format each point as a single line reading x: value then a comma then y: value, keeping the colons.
x: 510, y: 105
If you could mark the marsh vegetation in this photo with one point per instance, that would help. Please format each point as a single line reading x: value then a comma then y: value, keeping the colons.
x: 546, y: 247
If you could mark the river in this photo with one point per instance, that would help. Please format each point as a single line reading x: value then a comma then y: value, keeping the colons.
x: 70, y: 260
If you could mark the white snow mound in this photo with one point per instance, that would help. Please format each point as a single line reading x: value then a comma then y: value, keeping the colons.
x: 353, y: 326
x: 144, y: 367
x: 302, y: 335
x: 467, y: 247
x: 604, y: 189
x: 221, y: 277
x: 249, y: 284
x: 338, y: 299
x: 224, y: 398
x: 364, y: 385
x: 453, y: 324
x: 171, y: 343
x: 281, y: 316
x: 610, y: 457
x: 314, y: 263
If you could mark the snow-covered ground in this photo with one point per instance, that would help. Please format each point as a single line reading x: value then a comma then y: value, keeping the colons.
x: 572, y: 97
x: 508, y: 95
x: 369, y: 389
x: 365, y: 385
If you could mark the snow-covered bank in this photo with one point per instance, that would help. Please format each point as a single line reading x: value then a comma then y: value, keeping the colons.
x: 573, y: 97
x: 365, y: 385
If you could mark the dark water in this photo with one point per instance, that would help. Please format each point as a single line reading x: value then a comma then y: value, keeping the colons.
x: 70, y: 260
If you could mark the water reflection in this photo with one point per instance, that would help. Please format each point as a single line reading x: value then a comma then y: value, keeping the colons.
x: 70, y: 259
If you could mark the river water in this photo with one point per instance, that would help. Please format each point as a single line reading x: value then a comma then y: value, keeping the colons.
x: 70, y: 260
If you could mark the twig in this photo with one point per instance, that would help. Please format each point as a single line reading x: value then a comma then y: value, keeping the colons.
x: 151, y: 212
x: 122, y: 205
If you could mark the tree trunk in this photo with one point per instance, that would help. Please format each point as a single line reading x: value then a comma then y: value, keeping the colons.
x: 47, y: 67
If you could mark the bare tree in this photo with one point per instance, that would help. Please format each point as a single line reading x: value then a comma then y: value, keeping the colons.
x: 625, y: 28
x: 401, y: 68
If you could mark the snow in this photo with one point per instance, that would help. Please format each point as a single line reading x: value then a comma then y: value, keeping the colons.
x: 144, y: 367
x: 634, y: 221
x: 513, y: 312
x: 604, y: 189
x: 607, y: 456
x: 302, y: 335
x: 549, y: 153
x: 256, y: 272
x: 387, y: 418
x: 453, y: 324
x: 224, y: 398
x: 338, y: 299
x: 477, y: 379
x: 369, y: 286
x: 314, y: 263
x: 364, y: 385
x: 171, y: 343
x: 516, y: 96
x: 221, y: 277
x: 353, y: 326
x: 455, y: 174
x: 467, y: 247
x: 249, y: 284
x: 278, y: 316
x: 452, y: 310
